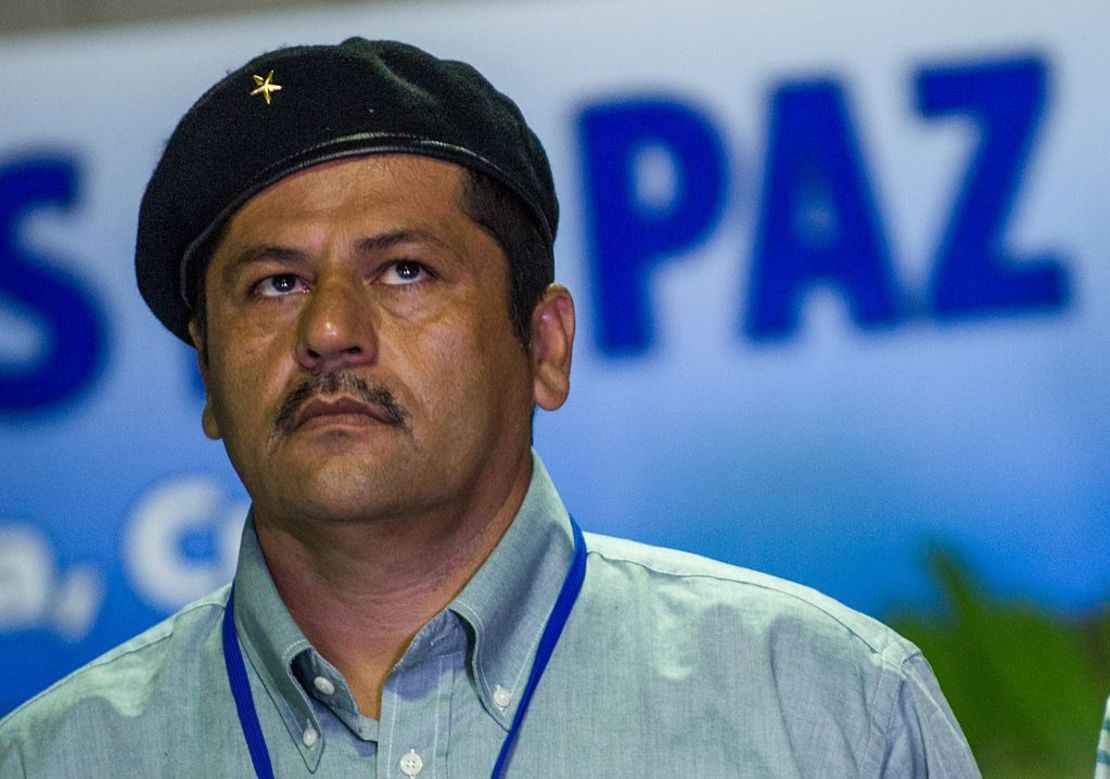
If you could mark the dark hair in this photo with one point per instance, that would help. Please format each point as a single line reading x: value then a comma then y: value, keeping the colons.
x: 529, y: 256
x: 531, y: 264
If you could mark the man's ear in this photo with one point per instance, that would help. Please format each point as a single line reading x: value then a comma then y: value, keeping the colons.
x: 552, y: 344
x: 207, y: 417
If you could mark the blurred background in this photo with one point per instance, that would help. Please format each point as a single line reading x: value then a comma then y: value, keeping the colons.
x: 843, y: 283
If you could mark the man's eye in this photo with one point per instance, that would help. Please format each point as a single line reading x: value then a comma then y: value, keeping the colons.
x: 278, y: 285
x: 404, y: 272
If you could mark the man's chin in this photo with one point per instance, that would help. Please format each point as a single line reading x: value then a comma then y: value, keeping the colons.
x: 329, y: 475
x: 333, y: 505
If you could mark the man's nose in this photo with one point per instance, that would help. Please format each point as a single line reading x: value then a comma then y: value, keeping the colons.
x: 337, y: 327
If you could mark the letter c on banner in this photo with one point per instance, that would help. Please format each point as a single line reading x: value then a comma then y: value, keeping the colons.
x: 154, y: 545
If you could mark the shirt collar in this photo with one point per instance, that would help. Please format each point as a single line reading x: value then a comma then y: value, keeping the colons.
x: 504, y: 607
x: 507, y: 602
x: 272, y: 641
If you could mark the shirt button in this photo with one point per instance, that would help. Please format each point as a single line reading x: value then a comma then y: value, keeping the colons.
x: 411, y: 764
x: 501, y: 696
x: 324, y: 685
x: 309, y: 737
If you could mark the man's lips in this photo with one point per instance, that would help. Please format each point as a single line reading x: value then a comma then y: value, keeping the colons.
x: 338, y: 396
x: 322, y: 408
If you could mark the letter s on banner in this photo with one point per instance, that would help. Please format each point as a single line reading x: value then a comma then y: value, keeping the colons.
x: 74, y: 339
x: 154, y: 553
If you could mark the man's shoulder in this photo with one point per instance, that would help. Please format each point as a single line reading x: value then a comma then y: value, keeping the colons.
x: 753, y: 604
x: 126, y: 678
x: 780, y: 669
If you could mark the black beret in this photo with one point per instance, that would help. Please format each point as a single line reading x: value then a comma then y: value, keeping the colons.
x: 296, y: 107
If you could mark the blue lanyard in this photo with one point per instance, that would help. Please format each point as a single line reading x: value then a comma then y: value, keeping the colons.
x: 248, y: 716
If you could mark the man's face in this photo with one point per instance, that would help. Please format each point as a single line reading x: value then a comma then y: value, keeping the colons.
x: 361, y: 359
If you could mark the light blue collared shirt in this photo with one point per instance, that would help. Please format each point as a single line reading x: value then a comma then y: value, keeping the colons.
x: 670, y: 665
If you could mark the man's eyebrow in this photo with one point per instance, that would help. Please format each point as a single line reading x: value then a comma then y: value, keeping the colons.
x: 260, y: 253
x: 370, y: 245
x: 393, y: 238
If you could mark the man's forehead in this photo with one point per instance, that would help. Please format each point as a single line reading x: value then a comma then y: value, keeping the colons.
x: 407, y: 197
x: 369, y: 176
x: 363, y: 208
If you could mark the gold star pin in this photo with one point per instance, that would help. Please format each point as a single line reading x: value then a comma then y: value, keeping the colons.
x: 265, y: 86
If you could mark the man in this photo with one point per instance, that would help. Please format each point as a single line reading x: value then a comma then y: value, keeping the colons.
x: 357, y: 240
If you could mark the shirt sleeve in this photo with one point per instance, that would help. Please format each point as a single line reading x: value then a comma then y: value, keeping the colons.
x: 11, y: 763
x: 923, y: 737
x: 1102, y: 757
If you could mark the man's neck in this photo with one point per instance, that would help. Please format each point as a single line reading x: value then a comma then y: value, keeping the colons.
x: 360, y: 591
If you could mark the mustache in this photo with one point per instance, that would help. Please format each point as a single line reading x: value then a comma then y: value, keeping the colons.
x: 339, y: 383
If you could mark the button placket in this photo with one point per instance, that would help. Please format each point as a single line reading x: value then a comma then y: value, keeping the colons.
x: 416, y: 704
